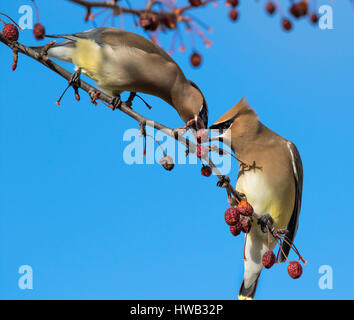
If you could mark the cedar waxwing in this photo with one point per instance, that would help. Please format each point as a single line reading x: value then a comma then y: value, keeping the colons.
x: 120, y: 61
x: 272, y: 185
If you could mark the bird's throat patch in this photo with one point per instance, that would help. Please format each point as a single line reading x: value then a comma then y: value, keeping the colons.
x: 88, y: 56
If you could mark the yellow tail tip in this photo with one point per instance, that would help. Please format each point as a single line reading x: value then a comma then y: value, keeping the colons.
x: 240, y: 297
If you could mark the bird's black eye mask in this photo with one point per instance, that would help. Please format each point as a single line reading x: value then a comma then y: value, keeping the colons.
x: 223, y: 125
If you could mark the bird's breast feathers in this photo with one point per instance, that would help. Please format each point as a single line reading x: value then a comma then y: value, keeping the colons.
x: 265, y: 197
x: 87, y: 55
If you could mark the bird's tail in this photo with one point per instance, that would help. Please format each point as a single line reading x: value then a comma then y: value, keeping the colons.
x: 62, y: 51
x: 248, y: 293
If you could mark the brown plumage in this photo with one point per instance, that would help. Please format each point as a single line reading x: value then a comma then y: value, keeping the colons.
x: 273, y: 184
x: 120, y: 61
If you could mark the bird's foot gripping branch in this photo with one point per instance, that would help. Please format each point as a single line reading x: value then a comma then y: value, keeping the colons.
x: 240, y: 216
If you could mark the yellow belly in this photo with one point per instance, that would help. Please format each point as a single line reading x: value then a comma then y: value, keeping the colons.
x: 266, y: 198
x: 88, y: 56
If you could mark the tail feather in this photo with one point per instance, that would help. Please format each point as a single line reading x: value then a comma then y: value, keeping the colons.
x: 248, y: 293
x: 61, y: 51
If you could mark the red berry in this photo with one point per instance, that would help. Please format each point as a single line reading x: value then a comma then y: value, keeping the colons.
x: 236, y: 229
x: 167, y: 163
x: 246, y: 224
x: 202, y: 151
x: 232, y: 3
x: 268, y: 259
x: 149, y: 21
x: 206, y: 171
x: 10, y: 32
x: 169, y: 21
x: 314, y: 18
x: 286, y: 23
x: 202, y: 136
x: 196, y: 59
x: 195, y: 3
x: 295, y: 269
x: 299, y: 9
x: 38, y: 31
x: 270, y: 7
x: 233, y: 14
x: 244, y: 208
x: 232, y: 217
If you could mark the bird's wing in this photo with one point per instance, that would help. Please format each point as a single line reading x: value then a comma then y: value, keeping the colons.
x: 294, y: 220
x: 115, y: 38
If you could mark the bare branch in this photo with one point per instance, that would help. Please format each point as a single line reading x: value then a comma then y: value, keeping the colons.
x: 94, y: 93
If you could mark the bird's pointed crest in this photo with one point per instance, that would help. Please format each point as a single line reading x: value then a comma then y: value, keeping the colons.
x: 225, y: 121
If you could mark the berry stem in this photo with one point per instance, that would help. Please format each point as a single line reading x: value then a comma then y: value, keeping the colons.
x: 163, y: 151
x: 36, y: 8
x: 10, y: 19
x: 278, y: 241
x: 292, y: 246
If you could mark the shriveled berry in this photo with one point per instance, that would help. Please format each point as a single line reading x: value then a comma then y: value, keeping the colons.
x: 295, y: 269
x: 246, y: 223
x: 169, y: 21
x: 206, y: 171
x: 314, y: 18
x: 202, y: 136
x: 149, y: 21
x: 233, y: 14
x: 202, y: 151
x: 167, y: 163
x: 232, y: 3
x: 286, y: 23
x: 268, y: 259
x: 10, y: 32
x: 38, y: 31
x: 244, y: 208
x: 299, y: 9
x: 270, y: 7
x: 195, y: 3
x: 232, y: 217
x: 236, y: 229
x: 196, y: 59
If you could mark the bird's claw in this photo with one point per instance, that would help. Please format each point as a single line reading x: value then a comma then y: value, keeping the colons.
x: 75, y: 80
x: 223, y: 182
x: 266, y: 223
x: 130, y: 99
x: 116, y: 103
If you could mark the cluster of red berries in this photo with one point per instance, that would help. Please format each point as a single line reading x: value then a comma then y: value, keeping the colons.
x: 150, y: 21
x: 239, y: 218
x: 297, y: 10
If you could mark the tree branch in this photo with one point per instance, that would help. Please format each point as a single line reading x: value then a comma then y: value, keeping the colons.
x: 41, y: 57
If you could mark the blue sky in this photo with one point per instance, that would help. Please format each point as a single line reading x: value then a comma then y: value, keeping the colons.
x: 93, y: 227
